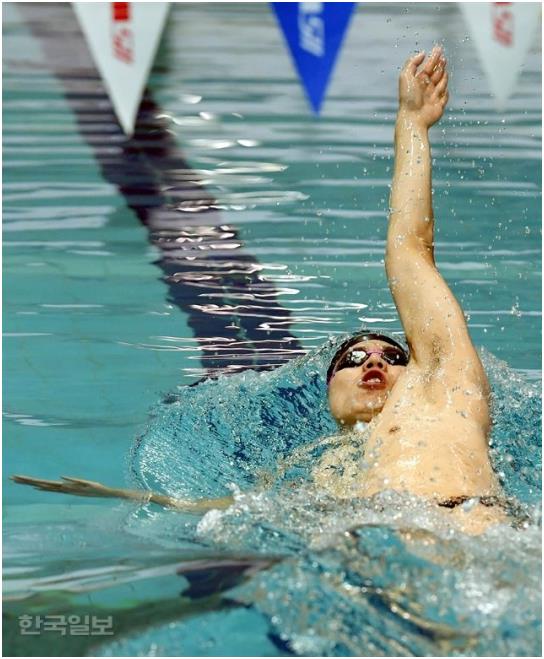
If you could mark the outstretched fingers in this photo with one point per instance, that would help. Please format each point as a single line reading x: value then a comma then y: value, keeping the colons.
x: 67, y: 485
x: 38, y: 483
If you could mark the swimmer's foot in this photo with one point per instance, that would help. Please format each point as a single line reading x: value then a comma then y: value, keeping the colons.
x: 85, y: 488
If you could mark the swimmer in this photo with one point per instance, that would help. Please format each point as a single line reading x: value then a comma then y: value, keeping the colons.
x: 428, y: 413
x: 425, y: 410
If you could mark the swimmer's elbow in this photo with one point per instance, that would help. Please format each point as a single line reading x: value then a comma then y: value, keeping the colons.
x: 412, y: 230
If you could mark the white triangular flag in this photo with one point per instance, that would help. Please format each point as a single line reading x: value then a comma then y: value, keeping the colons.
x: 502, y: 32
x: 123, y: 39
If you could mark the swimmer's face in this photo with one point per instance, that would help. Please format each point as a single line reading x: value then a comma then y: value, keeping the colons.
x: 358, y: 393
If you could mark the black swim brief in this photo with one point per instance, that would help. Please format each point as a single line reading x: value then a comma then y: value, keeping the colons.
x: 512, y: 508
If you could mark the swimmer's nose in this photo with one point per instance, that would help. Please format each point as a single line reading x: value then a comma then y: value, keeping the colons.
x: 374, y: 361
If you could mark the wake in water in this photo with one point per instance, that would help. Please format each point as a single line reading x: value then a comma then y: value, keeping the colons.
x: 379, y: 576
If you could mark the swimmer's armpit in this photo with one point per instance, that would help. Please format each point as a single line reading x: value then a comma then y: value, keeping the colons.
x: 84, y: 488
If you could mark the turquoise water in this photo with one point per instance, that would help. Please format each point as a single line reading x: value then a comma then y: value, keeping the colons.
x: 271, y: 248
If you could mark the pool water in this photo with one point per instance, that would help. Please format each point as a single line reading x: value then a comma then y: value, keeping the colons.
x: 235, y: 232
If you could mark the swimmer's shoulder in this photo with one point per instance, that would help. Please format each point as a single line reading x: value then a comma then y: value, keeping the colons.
x: 434, y: 394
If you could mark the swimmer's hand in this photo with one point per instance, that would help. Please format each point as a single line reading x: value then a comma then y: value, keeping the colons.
x: 423, y: 95
x: 85, y: 488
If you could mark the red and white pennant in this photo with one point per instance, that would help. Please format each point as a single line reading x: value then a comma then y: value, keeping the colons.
x: 123, y: 38
x: 502, y: 32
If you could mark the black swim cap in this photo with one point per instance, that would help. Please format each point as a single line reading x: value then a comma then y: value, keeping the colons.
x: 364, y: 336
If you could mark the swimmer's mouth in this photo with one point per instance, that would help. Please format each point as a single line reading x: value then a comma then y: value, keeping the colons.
x: 373, y: 379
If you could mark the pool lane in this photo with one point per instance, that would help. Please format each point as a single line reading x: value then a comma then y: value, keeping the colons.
x: 205, y: 266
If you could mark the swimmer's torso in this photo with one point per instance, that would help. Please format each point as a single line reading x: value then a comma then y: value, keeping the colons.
x: 429, y: 440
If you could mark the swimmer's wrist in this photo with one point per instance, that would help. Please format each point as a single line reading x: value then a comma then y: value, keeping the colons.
x: 411, y: 120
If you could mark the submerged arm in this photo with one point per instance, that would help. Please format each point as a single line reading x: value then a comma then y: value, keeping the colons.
x: 433, y: 321
x: 85, y: 488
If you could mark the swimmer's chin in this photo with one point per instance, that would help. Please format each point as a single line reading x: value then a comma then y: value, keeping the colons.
x: 363, y: 409
x: 361, y: 419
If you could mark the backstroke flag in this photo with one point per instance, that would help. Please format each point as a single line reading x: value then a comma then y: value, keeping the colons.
x: 502, y: 32
x: 123, y: 38
x: 314, y: 32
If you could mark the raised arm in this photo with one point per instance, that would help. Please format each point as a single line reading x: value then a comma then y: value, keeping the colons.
x: 433, y: 321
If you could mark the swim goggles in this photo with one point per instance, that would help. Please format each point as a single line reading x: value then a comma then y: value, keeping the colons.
x: 352, y: 358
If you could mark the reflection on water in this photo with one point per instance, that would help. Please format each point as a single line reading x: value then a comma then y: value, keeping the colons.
x: 253, y: 191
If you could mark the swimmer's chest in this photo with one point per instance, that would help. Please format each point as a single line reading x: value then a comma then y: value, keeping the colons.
x: 427, y: 454
x: 413, y: 426
x: 424, y: 441
x: 435, y: 411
